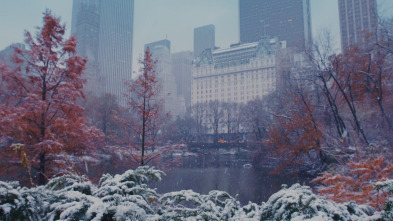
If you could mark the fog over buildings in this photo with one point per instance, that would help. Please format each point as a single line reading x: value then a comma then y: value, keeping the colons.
x: 161, y: 51
x: 104, y: 30
x: 249, y: 111
x: 288, y: 20
x: 181, y: 68
x: 111, y: 32
x: 248, y: 70
x: 204, y: 37
x: 85, y: 25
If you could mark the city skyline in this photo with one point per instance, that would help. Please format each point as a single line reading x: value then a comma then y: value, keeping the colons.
x: 153, y: 22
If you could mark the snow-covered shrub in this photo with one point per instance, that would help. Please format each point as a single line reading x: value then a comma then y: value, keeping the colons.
x: 18, y: 203
x: 72, y: 199
x: 10, y: 200
x: 387, y: 187
x: 220, y: 204
x: 178, y: 204
x: 131, y: 182
x: 127, y: 195
x: 74, y: 205
x: 71, y: 182
x: 121, y: 197
x: 187, y: 204
x: 300, y: 203
x: 250, y: 212
x: 36, y: 202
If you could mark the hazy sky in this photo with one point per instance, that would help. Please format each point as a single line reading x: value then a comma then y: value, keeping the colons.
x: 155, y: 20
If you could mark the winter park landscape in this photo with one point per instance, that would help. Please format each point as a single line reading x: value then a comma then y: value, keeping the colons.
x: 129, y: 110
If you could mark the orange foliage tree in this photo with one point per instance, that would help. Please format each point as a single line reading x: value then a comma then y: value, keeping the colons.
x: 296, y: 134
x: 40, y: 118
x: 356, y: 182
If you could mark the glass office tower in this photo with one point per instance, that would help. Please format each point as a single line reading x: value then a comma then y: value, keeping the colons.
x: 204, y: 38
x: 357, y: 17
x: 104, y: 29
x: 289, y: 20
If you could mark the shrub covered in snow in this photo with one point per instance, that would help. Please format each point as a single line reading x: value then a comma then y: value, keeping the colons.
x: 70, y: 197
x: 387, y: 187
x: 17, y: 203
x: 128, y: 197
x: 300, y: 203
x: 75, y: 205
x: 187, y: 204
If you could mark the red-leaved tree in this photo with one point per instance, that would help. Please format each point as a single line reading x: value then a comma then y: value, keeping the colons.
x: 296, y: 136
x: 146, y: 100
x: 356, y: 182
x: 39, y: 119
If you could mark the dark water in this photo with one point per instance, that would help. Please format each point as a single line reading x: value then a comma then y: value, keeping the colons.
x: 226, y: 171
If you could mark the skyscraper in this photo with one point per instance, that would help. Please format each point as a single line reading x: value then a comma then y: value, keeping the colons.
x: 204, y: 38
x: 356, y: 17
x: 115, y: 39
x: 85, y: 26
x: 182, y: 68
x: 161, y: 50
x: 104, y: 29
x: 289, y: 20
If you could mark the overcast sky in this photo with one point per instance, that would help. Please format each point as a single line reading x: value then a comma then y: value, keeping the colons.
x: 154, y: 20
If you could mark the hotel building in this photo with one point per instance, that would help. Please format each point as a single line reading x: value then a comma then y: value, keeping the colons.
x: 237, y: 74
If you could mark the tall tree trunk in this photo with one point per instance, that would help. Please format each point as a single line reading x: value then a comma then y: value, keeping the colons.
x: 351, y: 104
x: 41, y: 170
x: 143, y: 131
x: 340, y: 125
x: 315, y: 126
x: 378, y: 87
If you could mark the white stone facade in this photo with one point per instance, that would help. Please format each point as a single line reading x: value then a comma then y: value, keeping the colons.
x: 238, y: 74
